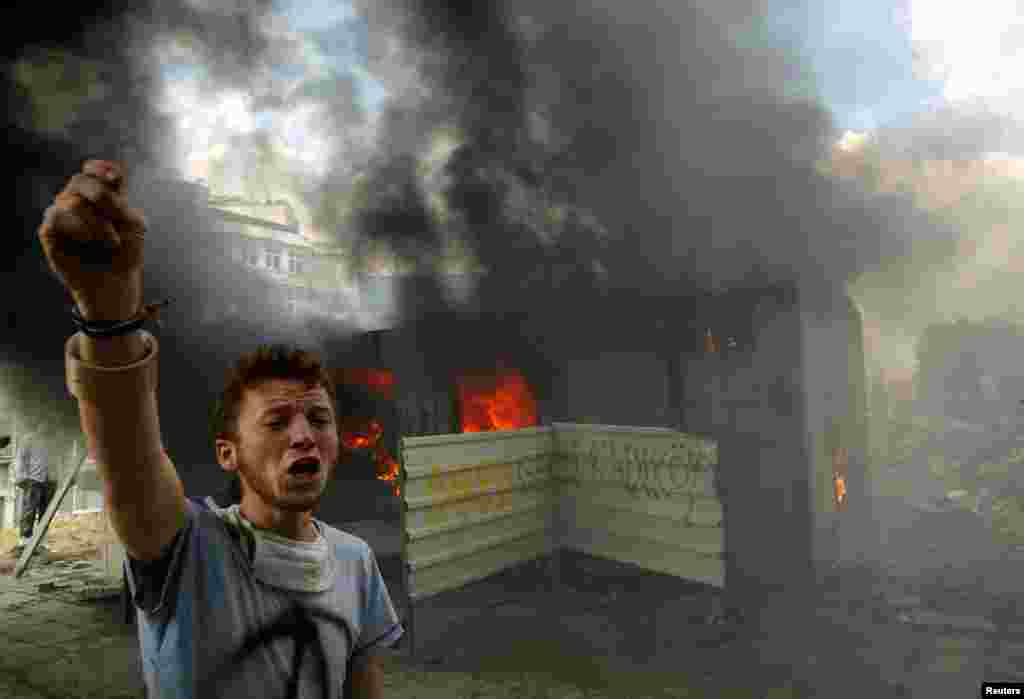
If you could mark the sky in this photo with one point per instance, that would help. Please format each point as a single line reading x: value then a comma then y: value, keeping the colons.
x: 328, y: 40
x: 873, y: 63
x: 863, y: 53
x: 879, y: 62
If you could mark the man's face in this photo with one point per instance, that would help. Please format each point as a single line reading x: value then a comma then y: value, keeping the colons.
x: 284, y: 427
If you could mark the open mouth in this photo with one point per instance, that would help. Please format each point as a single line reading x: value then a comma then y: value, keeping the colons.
x: 305, y: 467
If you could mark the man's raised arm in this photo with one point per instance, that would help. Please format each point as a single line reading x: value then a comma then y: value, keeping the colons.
x: 93, y: 242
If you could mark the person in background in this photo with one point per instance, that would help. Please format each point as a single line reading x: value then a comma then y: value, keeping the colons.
x: 32, y: 465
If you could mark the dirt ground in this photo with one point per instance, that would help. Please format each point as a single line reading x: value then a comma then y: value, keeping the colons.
x: 609, y: 633
x: 402, y: 681
x: 69, y: 537
x: 614, y: 632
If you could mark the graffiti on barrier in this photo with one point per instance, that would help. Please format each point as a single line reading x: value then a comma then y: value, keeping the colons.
x: 681, y: 468
x: 454, y: 480
x: 461, y: 493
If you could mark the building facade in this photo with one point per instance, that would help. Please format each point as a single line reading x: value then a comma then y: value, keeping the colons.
x: 299, y: 275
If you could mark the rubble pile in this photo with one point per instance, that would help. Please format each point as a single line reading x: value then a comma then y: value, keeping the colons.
x: 70, y: 536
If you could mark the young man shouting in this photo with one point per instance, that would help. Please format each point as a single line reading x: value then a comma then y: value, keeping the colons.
x: 255, y: 600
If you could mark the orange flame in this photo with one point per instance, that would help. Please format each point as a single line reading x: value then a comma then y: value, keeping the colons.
x: 388, y: 470
x: 840, y: 486
x: 840, y: 463
x: 367, y: 436
x: 362, y: 436
x: 498, y: 402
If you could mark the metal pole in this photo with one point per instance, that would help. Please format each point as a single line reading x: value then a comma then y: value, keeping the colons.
x: 17, y: 501
x: 75, y: 495
x: 44, y: 525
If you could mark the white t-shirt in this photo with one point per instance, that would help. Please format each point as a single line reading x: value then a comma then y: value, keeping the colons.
x: 202, y: 606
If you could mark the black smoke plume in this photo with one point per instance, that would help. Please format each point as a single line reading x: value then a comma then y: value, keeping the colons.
x: 678, y: 162
x: 612, y: 160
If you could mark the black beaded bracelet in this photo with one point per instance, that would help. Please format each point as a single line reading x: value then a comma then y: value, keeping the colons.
x: 114, y: 328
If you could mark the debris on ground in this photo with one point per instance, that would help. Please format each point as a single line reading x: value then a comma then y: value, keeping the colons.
x: 71, y: 537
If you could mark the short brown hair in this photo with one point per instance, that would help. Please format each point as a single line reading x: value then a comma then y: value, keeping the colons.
x: 264, y: 363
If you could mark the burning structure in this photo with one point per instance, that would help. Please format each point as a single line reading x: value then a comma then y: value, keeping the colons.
x: 773, y: 378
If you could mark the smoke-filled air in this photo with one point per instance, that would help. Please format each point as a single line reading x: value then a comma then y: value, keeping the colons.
x: 495, y: 188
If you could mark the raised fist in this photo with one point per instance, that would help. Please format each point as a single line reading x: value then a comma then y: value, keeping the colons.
x: 93, y: 242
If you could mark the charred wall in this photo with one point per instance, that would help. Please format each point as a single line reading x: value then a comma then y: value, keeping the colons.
x: 837, y: 429
x: 747, y: 394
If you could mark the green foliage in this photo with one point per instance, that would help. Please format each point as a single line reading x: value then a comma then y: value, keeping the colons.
x: 950, y: 474
x: 997, y: 472
x: 905, y: 438
x: 1008, y: 520
x: 910, y: 437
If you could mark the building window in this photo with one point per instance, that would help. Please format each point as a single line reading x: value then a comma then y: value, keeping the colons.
x: 252, y: 258
x: 274, y: 261
x: 294, y: 265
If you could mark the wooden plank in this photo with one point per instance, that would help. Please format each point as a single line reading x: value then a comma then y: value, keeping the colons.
x: 444, y: 482
x: 44, y: 525
x: 420, y: 454
x: 475, y: 504
x: 444, y: 549
x: 438, y: 519
x: 462, y: 438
